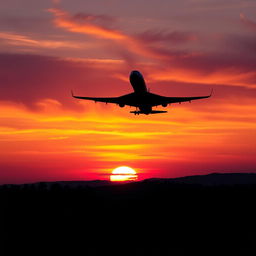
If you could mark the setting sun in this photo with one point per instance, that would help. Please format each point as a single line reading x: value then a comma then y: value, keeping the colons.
x: 123, y: 173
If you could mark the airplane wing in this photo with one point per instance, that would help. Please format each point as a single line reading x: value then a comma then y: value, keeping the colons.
x: 169, y: 100
x: 115, y: 100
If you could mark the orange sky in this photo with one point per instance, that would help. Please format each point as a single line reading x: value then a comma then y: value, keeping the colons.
x: 50, y: 48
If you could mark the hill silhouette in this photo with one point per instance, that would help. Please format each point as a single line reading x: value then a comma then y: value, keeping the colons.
x: 212, y: 179
x: 205, y: 215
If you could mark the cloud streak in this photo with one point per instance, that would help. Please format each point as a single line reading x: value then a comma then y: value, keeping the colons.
x: 22, y: 40
x: 85, y: 24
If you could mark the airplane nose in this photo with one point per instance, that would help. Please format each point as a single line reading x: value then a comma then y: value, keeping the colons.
x: 135, y: 72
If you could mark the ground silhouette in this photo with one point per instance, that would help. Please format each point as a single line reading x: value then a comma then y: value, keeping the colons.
x: 152, y: 217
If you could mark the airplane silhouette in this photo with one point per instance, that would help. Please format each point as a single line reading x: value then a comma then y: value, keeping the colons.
x: 141, y: 97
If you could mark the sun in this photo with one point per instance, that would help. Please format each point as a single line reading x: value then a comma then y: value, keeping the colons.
x: 123, y: 173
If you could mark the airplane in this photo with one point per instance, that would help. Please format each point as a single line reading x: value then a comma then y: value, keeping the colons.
x: 141, y: 98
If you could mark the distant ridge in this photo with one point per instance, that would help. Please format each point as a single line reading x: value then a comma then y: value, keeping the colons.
x: 212, y: 179
x: 68, y: 184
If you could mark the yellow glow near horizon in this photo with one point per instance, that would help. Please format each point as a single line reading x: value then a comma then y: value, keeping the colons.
x: 123, y: 173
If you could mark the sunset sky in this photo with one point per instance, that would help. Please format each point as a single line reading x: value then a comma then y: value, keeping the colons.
x: 182, y: 47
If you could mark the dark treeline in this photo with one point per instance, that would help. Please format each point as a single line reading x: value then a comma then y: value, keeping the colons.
x: 131, y: 219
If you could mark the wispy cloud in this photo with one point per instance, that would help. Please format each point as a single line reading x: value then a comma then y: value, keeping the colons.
x: 84, y: 24
x: 22, y: 40
x: 94, y: 26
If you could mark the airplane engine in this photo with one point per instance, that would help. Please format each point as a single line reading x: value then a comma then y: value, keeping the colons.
x: 121, y: 105
x: 164, y: 105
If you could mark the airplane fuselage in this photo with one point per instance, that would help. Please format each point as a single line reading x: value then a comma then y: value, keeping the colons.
x: 138, y: 83
x: 140, y: 90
